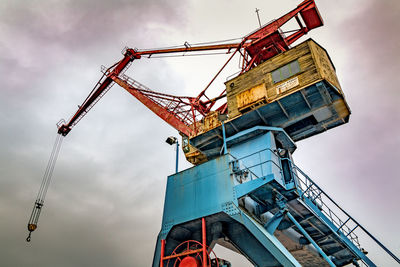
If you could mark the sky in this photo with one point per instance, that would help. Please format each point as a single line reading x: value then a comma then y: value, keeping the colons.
x: 105, y: 202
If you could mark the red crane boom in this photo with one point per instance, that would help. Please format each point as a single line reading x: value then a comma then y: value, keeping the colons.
x: 182, y: 112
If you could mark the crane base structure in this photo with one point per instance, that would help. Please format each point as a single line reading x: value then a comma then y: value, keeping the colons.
x: 255, y: 201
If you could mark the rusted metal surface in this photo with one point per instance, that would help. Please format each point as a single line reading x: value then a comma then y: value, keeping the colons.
x: 204, y: 241
x: 174, y: 110
x: 162, y: 253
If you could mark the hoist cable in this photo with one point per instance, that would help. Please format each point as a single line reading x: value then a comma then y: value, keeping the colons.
x: 191, y: 44
x: 51, y: 169
x: 46, y: 173
x: 37, y: 206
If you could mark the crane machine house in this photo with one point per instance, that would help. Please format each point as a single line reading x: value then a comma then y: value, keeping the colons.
x: 297, y: 90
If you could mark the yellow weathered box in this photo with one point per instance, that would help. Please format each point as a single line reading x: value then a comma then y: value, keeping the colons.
x: 254, y: 95
x: 258, y: 86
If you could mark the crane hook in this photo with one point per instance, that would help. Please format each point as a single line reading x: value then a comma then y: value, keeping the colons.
x: 28, y: 239
x: 31, y: 228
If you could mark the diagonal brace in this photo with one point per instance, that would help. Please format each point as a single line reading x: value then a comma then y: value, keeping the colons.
x: 274, y: 222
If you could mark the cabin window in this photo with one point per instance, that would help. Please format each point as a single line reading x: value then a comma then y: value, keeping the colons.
x: 286, y: 71
x: 276, y: 76
x: 294, y: 67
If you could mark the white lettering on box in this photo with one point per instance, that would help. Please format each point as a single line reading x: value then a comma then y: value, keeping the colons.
x: 289, y: 84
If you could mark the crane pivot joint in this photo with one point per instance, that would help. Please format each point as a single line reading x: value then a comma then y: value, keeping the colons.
x: 64, y: 130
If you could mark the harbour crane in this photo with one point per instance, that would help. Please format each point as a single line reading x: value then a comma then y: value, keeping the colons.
x: 245, y: 192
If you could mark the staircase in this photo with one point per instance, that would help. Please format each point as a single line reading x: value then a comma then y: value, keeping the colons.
x: 329, y: 226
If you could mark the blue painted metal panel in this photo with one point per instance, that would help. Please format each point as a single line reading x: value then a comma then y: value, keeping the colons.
x: 197, y: 192
x: 258, y: 162
x: 250, y: 186
x: 261, y: 163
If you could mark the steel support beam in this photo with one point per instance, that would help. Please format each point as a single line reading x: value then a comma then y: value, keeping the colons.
x: 320, y: 251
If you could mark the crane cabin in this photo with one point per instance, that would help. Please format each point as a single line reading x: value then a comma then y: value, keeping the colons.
x: 296, y: 90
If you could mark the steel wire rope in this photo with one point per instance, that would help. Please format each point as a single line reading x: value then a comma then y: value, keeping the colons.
x: 195, y: 44
x: 191, y: 55
x: 37, y: 206
x: 50, y: 173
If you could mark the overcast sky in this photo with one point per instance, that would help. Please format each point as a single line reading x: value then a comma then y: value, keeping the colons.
x: 105, y: 203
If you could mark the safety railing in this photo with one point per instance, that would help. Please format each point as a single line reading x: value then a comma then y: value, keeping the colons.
x: 238, y: 162
x: 343, y: 223
x: 340, y: 218
x: 306, y: 188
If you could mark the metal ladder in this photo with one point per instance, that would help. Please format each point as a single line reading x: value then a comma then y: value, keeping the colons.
x: 344, y: 222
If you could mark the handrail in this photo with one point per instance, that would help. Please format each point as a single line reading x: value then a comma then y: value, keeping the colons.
x: 306, y: 187
x: 258, y: 164
x: 257, y: 152
x: 246, y: 168
x: 343, y: 226
x: 314, y: 192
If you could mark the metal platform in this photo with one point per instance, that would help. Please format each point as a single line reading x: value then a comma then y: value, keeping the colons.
x: 302, y: 114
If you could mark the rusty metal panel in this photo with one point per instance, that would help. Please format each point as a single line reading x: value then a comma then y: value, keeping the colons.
x: 251, y: 96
